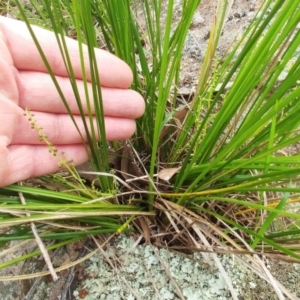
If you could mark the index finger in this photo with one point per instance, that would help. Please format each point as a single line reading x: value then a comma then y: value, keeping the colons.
x: 112, y: 70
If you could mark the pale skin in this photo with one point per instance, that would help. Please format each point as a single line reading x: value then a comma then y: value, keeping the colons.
x: 24, y: 82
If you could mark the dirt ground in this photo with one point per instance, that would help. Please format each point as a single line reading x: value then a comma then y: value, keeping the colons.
x: 76, y: 278
x: 241, y: 14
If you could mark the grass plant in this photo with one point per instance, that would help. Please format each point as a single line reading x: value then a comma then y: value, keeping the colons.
x: 226, y: 159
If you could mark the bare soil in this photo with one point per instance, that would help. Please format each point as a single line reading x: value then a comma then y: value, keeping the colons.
x: 241, y: 14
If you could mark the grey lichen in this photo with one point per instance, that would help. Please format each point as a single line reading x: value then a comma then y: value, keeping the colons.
x: 147, y: 273
x: 140, y: 272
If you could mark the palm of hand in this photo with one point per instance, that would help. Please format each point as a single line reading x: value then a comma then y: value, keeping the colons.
x: 25, y: 82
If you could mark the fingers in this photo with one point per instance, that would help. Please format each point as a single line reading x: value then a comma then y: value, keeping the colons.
x: 113, y: 71
x: 8, y: 87
x: 39, y: 93
x: 60, y: 129
x: 22, y: 162
x: 10, y: 115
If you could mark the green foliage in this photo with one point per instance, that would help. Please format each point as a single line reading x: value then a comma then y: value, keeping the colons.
x: 232, y: 146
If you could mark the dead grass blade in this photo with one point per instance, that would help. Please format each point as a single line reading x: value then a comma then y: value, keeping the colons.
x: 179, y: 293
x: 121, y: 279
x: 40, y: 243
x: 142, y: 224
x: 259, y: 268
x: 59, y: 269
x: 204, y: 230
x: 152, y: 280
x: 214, y: 256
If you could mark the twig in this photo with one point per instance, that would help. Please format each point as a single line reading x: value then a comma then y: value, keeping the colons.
x: 108, y: 175
x: 59, y: 269
x: 271, y: 278
x: 145, y: 169
x: 38, y: 280
x: 134, y: 246
x: 214, y: 256
x: 151, y: 278
x: 258, y: 266
x: 40, y: 243
x: 116, y: 270
x: 179, y: 293
x: 71, y: 275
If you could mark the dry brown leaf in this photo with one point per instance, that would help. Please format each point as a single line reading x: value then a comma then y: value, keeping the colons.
x: 181, y: 114
x: 178, y: 119
x: 145, y: 229
x: 128, y: 167
x: 167, y: 174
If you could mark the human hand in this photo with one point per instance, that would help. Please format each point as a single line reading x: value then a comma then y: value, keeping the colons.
x: 24, y: 82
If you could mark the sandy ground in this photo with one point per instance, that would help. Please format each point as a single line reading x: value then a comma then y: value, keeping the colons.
x: 145, y: 272
x: 241, y: 14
